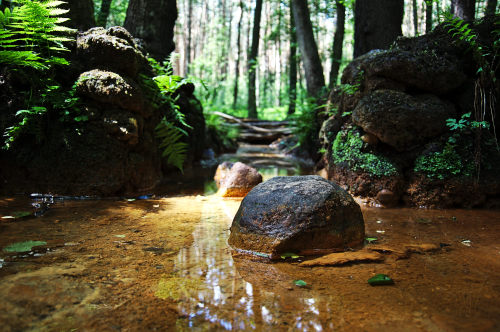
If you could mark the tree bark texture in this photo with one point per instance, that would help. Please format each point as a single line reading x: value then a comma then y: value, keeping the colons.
x: 415, y: 17
x: 428, y: 16
x: 491, y: 7
x: 238, y: 55
x: 81, y: 14
x: 315, y: 81
x: 153, y: 21
x: 464, y: 9
x: 252, y: 62
x: 293, y: 65
x: 377, y: 24
x: 188, y: 42
x: 102, y: 18
x: 338, y: 41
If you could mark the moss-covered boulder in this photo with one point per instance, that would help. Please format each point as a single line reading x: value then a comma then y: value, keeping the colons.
x: 401, y: 120
x: 299, y: 214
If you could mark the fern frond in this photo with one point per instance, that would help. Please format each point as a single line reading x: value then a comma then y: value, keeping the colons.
x: 173, y: 148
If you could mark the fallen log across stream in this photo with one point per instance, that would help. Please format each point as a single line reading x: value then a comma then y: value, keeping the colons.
x: 257, y: 131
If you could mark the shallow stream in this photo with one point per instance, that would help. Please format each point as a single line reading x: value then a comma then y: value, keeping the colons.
x: 164, y: 264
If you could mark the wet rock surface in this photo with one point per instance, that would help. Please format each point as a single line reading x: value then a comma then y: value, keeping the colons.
x: 301, y: 214
x: 236, y: 179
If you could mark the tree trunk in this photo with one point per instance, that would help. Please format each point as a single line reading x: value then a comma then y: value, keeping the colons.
x: 81, y: 14
x: 338, y: 41
x: 153, y: 21
x: 237, y: 65
x: 491, y: 7
x: 464, y: 9
x: 428, y: 16
x: 415, y: 17
x: 252, y: 62
x: 377, y: 24
x: 189, y: 37
x: 315, y: 81
x: 102, y: 18
x: 293, y: 65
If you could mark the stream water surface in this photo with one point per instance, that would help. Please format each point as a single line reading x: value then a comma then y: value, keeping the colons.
x: 164, y: 264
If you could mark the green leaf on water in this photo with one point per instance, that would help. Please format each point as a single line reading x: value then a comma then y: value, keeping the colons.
x: 23, y: 246
x: 289, y: 255
x: 22, y: 214
x: 120, y: 236
x: 380, y: 279
x: 371, y: 239
x: 300, y: 283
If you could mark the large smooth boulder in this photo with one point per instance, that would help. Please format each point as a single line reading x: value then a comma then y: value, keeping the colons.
x: 401, y: 120
x: 299, y: 214
x: 236, y: 180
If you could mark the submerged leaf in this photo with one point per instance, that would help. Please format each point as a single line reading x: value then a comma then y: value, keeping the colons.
x: 380, y: 279
x: 23, y: 246
x: 371, y: 239
x: 300, y: 283
x: 289, y: 255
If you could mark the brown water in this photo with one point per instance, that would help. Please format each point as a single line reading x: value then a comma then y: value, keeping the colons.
x: 163, y: 264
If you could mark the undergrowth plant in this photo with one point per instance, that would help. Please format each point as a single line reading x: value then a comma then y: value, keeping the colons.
x: 348, y: 148
x: 31, y: 34
x: 486, y: 57
x: 173, y: 127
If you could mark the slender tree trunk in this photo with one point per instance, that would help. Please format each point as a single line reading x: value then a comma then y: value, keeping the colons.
x: 238, y: 54
x: 189, y: 37
x: 315, y: 80
x: 428, y: 16
x: 252, y: 62
x: 338, y: 41
x: 464, y: 9
x: 377, y: 24
x: 102, y: 18
x: 415, y: 17
x: 81, y: 14
x: 293, y: 65
x: 491, y: 7
x: 153, y: 21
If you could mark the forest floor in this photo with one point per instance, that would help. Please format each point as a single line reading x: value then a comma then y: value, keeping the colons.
x: 164, y: 264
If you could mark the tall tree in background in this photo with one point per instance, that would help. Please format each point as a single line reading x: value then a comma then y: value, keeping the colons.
x: 238, y: 55
x: 428, y: 16
x: 491, y: 7
x: 252, y: 62
x: 377, y: 24
x: 81, y: 14
x: 338, y: 42
x: 415, y: 17
x: 102, y: 18
x: 464, y: 9
x: 315, y: 81
x: 188, y: 41
x: 153, y: 21
x: 292, y: 78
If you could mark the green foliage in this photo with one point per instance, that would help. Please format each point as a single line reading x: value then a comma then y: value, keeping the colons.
x: 348, y: 148
x: 455, y: 158
x: 31, y: 34
x: 174, y: 149
x: 23, y: 246
x: 304, y: 121
x: 52, y: 97
x: 162, y: 90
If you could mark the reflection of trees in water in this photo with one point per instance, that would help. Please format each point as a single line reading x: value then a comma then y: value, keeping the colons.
x: 241, y: 293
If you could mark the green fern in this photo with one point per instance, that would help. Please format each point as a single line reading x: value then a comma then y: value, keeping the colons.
x: 31, y: 34
x: 174, y: 150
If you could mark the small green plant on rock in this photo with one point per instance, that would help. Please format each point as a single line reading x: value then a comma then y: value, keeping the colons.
x: 348, y: 148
